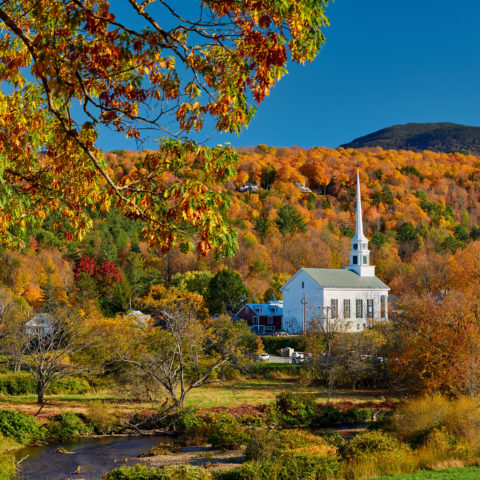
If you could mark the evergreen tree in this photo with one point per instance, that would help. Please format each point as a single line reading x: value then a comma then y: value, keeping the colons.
x: 289, y: 220
x: 226, y: 293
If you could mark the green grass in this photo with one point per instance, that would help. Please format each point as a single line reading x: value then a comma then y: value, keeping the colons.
x: 250, y: 392
x: 467, y: 473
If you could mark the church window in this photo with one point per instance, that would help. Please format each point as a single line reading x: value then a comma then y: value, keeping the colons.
x: 370, y: 308
x: 365, y: 259
x: 383, y: 306
x: 346, y: 309
x: 355, y: 246
x: 303, y: 284
x: 355, y: 260
x: 359, y: 308
x: 334, y: 307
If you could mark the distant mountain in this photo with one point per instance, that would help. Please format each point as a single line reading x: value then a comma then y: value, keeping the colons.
x: 437, y: 137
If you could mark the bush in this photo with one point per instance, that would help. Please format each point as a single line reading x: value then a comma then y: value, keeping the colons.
x: 69, y: 385
x: 24, y: 384
x: 357, y: 415
x: 332, y: 438
x: 328, y: 416
x: 227, y: 433
x: 289, y: 467
x: 142, y: 472
x: 273, y: 345
x: 269, y: 445
x: 460, y: 417
x: 368, y: 444
x: 188, y: 422
x: 101, y: 418
x: 296, y: 409
x: 67, y: 425
x: 8, y: 467
x: 20, y: 426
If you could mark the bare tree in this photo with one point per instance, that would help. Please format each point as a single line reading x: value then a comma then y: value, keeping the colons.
x: 180, y: 351
x: 322, y: 334
x: 46, y: 348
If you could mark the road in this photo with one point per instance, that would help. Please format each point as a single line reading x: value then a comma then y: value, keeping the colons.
x: 277, y: 359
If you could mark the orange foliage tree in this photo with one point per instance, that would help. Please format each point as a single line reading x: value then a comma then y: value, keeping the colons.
x: 60, y: 53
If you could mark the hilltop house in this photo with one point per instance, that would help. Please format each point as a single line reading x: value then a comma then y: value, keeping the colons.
x: 351, y: 298
x: 263, y: 318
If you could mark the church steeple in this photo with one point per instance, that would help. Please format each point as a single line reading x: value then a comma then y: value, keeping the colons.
x: 359, y: 252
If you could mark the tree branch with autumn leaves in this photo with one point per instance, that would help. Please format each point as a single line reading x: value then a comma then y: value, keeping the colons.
x: 56, y: 54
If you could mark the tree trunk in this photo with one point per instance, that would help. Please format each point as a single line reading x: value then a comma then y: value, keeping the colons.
x: 40, y: 393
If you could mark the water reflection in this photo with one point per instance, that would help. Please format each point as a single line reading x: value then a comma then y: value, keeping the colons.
x: 91, y: 458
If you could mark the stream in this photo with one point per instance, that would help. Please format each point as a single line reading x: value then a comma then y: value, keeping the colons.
x: 92, y: 457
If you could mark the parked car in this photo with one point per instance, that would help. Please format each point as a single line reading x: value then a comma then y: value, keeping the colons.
x: 263, y: 357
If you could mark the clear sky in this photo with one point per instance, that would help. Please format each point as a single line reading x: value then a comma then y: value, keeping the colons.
x: 385, y: 62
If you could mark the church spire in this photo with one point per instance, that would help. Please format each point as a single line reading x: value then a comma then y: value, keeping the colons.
x: 359, y: 222
x: 359, y: 252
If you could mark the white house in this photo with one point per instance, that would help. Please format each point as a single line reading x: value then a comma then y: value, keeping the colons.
x: 41, y: 324
x: 352, y: 297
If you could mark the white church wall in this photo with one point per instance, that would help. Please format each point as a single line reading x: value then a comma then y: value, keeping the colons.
x: 354, y: 324
x: 300, y: 286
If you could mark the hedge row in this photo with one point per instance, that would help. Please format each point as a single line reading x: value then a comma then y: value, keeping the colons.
x: 273, y: 345
x: 24, y: 384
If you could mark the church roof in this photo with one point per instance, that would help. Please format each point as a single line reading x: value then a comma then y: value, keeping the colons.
x: 343, y: 278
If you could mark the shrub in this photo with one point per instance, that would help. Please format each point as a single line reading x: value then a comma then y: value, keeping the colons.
x: 296, y: 409
x: 227, y: 433
x: 101, y: 418
x: 460, y: 418
x: 288, y: 467
x: 8, y: 467
x: 333, y: 438
x: 142, y: 472
x: 265, y: 445
x: 188, y: 422
x: 273, y: 345
x: 66, y: 385
x: 66, y: 425
x: 368, y: 444
x: 328, y: 416
x: 24, y: 384
x: 20, y: 426
x: 357, y: 415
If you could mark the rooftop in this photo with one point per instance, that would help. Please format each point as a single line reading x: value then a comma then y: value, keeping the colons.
x: 342, y: 278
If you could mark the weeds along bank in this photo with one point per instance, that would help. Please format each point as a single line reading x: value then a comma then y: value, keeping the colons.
x: 293, y: 439
x: 290, y: 439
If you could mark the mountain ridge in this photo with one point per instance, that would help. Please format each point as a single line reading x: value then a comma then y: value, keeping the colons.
x: 438, y: 137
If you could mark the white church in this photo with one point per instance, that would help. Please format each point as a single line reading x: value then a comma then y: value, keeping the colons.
x: 352, y: 297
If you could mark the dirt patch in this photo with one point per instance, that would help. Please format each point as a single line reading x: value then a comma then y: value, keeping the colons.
x: 237, y: 411
x: 203, y: 456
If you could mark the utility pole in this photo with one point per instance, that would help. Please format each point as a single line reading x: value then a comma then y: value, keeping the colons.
x: 304, y: 325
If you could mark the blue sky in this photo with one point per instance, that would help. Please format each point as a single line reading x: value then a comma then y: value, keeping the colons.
x: 384, y: 62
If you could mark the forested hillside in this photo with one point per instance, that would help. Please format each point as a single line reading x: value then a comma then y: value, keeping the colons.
x: 419, y: 209
x: 437, y: 137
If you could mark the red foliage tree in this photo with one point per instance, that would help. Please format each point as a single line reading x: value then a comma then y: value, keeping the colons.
x: 108, y: 274
x: 85, y: 265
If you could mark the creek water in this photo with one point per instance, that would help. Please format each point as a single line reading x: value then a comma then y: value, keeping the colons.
x: 91, y: 457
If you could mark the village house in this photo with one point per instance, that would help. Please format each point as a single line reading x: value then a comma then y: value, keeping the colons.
x: 351, y: 298
x: 263, y: 318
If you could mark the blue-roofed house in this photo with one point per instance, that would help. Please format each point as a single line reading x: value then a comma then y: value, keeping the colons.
x: 263, y: 318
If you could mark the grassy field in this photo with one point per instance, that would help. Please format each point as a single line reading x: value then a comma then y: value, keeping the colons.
x: 467, y: 473
x: 244, y: 392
